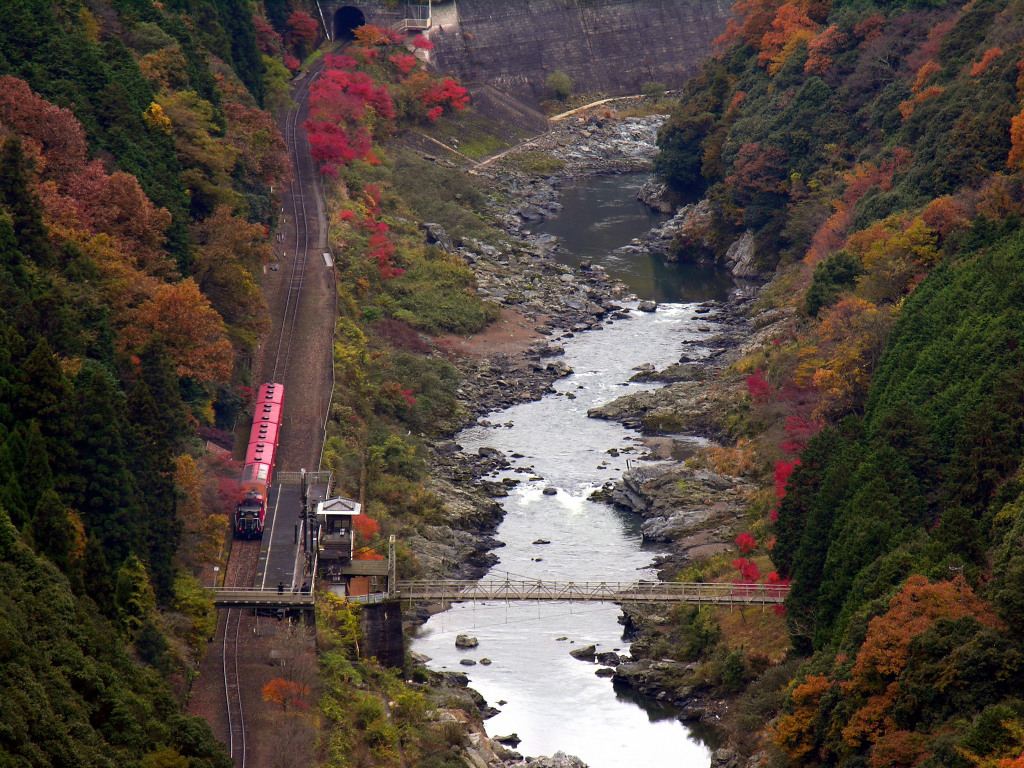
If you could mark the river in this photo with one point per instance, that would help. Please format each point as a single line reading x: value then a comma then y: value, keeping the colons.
x: 549, y: 699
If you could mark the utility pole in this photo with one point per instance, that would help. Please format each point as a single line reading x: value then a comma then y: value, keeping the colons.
x: 304, y: 515
x: 392, y: 568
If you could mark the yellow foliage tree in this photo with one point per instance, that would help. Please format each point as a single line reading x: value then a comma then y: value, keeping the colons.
x: 853, y: 335
x: 893, y: 252
x: 155, y: 118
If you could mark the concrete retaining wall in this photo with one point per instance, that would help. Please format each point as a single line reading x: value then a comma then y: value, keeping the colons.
x: 382, y: 633
x: 610, y: 46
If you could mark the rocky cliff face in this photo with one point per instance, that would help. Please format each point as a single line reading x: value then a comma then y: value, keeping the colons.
x: 611, y: 46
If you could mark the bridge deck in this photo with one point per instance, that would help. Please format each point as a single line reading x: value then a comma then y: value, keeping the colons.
x: 567, y: 591
x: 261, y: 598
x: 606, y: 591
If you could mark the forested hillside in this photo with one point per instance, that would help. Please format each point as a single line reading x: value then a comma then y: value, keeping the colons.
x: 873, y: 151
x: 136, y: 205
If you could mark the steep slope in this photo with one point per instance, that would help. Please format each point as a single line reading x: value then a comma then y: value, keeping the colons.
x: 870, y: 154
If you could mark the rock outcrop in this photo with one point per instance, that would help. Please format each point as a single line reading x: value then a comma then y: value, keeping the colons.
x: 739, y: 259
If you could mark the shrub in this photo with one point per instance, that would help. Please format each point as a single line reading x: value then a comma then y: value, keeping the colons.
x: 653, y: 89
x: 560, y: 84
x: 832, y: 277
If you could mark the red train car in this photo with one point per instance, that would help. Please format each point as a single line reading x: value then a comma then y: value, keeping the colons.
x: 258, y: 470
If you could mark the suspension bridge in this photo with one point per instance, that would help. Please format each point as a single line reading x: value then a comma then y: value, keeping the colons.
x: 504, y: 590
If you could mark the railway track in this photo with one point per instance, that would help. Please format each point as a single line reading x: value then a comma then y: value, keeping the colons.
x: 302, y: 165
x: 243, y: 568
x: 243, y: 574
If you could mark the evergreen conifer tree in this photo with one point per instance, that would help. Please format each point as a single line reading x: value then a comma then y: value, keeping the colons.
x: 51, y: 529
x: 103, y: 489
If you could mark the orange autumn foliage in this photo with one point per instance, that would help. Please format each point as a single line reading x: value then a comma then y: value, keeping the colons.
x: 831, y: 235
x: 924, y: 74
x: 1015, y: 160
x: 897, y: 749
x: 821, y: 47
x: 886, y: 648
x: 999, y: 198
x: 367, y: 553
x: 946, y: 214
x: 191, y: 329
x: 794, y: 733
x: 929, y: 50
x: 870, y: 28
x: 285, y: 692
x: 790, y: 27
x: 749, y: 22
x: 979, y: 67
x: 853, y: 335
x: 859, y: 180
x: 907, y: 107
x: 874, y: 678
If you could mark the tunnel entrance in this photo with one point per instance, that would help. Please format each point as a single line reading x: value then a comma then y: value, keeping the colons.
x: 347, y: 20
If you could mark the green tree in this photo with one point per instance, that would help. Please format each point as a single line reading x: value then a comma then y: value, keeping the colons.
x: 52, y: 529
x: 681, y: 155
x: 835, y: 275
x: 560, y: 84
x: 44, y: 394
x: 133, y: 596
x: 21, y: 203
x: 102, y: 489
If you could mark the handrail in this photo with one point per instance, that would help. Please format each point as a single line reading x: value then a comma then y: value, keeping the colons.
x: 448, y: 590
x: 608, y: 591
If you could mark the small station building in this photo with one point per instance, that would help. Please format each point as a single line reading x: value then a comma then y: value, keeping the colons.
x: 340, y: 573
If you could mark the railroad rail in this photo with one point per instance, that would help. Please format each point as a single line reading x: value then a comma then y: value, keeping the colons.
x: 243, y: 575
x: 245, y: 554
x: 602, y: 591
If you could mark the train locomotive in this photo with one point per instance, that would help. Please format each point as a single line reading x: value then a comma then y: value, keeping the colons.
x: 258, y: 471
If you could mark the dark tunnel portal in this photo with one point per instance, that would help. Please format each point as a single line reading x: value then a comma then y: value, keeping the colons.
x: 347, y: 20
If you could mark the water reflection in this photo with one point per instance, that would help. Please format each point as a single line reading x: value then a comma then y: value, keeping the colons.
x: 708, y: 735
x: 600, y: 214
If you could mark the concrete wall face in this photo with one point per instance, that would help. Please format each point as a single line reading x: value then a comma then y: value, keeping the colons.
x: 611, y: 46
x: 382, y: 633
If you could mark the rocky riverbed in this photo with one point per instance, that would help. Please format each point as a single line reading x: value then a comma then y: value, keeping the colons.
x: 688, y: 509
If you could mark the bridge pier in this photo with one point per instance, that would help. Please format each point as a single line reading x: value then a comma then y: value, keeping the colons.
x: 382, y: 633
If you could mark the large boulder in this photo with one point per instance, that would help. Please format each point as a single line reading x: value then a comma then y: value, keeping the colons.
x: 435, y: 234
x: 656, y: 194
x: 586, y: 653
x: 676, y: 526
x: 739, y: 259
x: 466, y: 641
x: 558, y: 760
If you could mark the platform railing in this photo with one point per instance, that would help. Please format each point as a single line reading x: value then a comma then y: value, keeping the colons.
x: 319, y: 477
